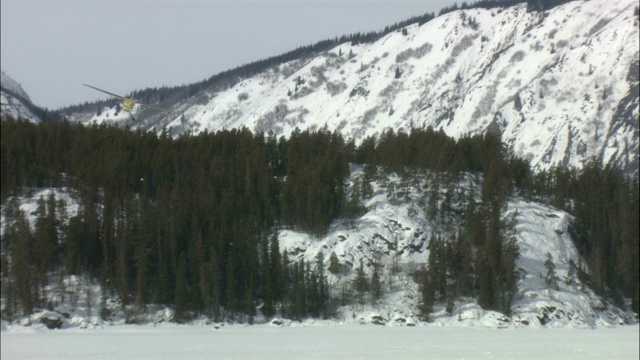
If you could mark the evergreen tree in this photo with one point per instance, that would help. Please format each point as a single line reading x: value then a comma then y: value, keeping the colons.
x: 269, y: 283
x: 45, y: 239
x: 298, y: 291
x: 376, y: 285
x: 323, y: 286
x: 182, y: 291
x: 550, y: 278
x: 570, y: 278
x: 360, y: 283
x: 427, y: 296
x: 334, y: 264
x: 21, y: 264
x: 276, y: 269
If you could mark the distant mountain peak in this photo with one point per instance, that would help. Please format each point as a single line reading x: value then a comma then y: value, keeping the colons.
x: 10, y: 84
x: 15, y: 102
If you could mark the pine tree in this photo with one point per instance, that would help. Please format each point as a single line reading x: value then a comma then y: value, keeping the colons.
x: 181, y: 302
x: 368, y: 177
x: 509, y: 274
x: 427, y: 295
x: 269, y: 283
x: 323, y: 286
x: 231, y: 297
x: 360, y: 283
x: 45, y: 239
x: 570, y: 278
x: 276, y: 269
x: 437, y: 271
x: 376, y: 285
x: 550, y: 279
x: 334, y: 263
x: 142, y: 278
x: 299, y: 291
x: 21, y: 263
x: 432, y: 205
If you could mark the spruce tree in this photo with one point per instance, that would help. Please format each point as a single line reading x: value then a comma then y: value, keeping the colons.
x: 360, y: 283
x: 376, y: 285
x: 45, y: 239
x: 323, y: 285
x: 427, y: 296
x: 21, y: 263
x: 276, y: 268
x: 570, y: 278
x: 550, y: 278
x: 181, y: 302
x: 299, y: 291
x: 334, y: 264
x: 269, y: 283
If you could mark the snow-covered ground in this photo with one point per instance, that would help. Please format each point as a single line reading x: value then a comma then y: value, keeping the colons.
x: 28, y: 203
x: 350, y: 341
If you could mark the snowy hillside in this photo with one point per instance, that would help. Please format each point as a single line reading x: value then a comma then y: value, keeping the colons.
x: 397, y: 233
x: 561, y: 86
x: 15, y: 102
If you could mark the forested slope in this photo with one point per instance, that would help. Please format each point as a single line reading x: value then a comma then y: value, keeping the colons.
x: 193, y: 222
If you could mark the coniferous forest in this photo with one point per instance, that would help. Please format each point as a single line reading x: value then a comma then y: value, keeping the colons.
x: 192, y: 222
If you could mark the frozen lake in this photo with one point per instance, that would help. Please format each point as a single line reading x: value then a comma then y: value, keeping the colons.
x: 319, y: 342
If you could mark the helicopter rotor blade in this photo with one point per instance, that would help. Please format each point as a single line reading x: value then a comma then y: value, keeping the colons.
x: 106, y: 92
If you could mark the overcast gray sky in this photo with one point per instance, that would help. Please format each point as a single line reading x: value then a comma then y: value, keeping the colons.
x: 52, y: 47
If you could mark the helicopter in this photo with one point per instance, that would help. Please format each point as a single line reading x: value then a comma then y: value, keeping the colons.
x: 128, y: 103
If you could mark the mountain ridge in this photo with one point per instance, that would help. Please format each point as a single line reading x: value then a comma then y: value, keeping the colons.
x: 561, y: 89
x: 16, y: 103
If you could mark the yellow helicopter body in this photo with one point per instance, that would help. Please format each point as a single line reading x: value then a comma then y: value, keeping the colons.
x: 128, y: 103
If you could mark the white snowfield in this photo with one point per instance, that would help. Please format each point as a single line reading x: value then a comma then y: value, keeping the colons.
x: 333, y: 342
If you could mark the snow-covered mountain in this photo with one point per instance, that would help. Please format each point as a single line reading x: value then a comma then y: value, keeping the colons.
x: 561, y: 85
x: 15, y: 102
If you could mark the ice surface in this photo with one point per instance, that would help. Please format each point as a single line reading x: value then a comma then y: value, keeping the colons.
x: 319, y: 342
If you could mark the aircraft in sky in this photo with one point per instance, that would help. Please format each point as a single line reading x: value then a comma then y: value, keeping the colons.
x: 128, y: 103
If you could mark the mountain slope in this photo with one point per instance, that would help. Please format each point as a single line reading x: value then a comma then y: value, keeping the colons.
x: 561, y: 86
x: 398, y: 233
x: 15, y: 101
